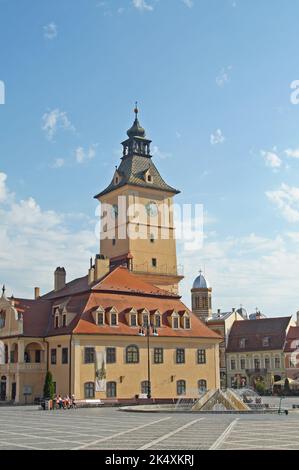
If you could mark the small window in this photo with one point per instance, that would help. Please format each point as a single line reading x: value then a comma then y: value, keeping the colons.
x: 134, y: 320
x: 158, y: 321
x: 100, y: 318
x: 242, y: 343
x: 180, y: 356
x: 111, y: 390
x: 53, y: 356
x: 89, y: 390
x: 132, y: 355
x: 145, y: 388
x: 113, y: 241
x: 56, y: 321
x: 175, y: 323
x: 110, y: 355
x: 154, y: 262
x: 37, y: 356
x: 233, y: 364
x: 181, y: 387
x: 113, y: 319
x: 145, y: 321
x: 64, y: 320
x: 202, y: 386
x: 116, y: 180
x: 64, y: 355
x: 149, y: 178
x: 277, y: 363
x: 187, y: 323
x: 257, y: 364
x: 158, y: 355
x: 201, y: 356
x: 89, y: 355
x: 266, y: 341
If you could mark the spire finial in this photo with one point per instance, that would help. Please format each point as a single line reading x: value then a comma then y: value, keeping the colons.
x: 200, y: 271
x: 3, y: 290
x: 136, y: 110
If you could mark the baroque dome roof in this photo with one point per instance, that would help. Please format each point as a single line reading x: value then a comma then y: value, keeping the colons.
x: 201, y: 282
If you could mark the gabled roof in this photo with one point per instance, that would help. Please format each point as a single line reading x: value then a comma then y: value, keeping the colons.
x: 292, y: 339
x: 132, y: 169
x: 255, y: 330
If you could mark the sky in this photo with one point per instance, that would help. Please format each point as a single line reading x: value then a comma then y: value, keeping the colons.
x: 213, y: 79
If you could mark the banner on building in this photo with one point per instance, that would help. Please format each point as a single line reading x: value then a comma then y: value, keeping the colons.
x: 100, y: 371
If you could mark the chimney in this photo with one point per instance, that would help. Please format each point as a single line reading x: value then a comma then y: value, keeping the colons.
x: 297, y: 319
x: 59, y: 279
x: 36, y: 293
x: 102, y: 267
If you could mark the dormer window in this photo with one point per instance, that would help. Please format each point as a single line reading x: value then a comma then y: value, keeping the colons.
x: 56, y: 321
x: 242, y: 343
x: 133, y: 319
x: 187, y: 323
x: 158, y: 320
x: 149, y: 178
x: 113, y: 319
x: 64, y: 320
x: 175, y: 320
x: 266, y: 341
x: 145, y: 320
x: 116, y: 180
x: 100, y: 318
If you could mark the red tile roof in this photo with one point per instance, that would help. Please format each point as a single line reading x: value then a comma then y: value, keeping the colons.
x: 255, y: 330
x: 119, y: 289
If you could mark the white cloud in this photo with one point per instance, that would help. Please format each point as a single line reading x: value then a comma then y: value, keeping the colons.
x: 58, y: 163
x: 34, y: 241
x: 50, y: 31
x: 272, y: 159
x: 83, y: 155
x: 252, y: 270
x: 142, y: 5
x: 3, y: 189
x: 223, y: 76
x: 286, y: 199
x: 156, y: 152
x: 217, y: 137
x: 188, y: 3
x: 293, y: 153
x: 54, y: 120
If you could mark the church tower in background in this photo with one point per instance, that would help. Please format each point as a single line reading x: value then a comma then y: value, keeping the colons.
x: 138, y: 187
x: 201, y: 296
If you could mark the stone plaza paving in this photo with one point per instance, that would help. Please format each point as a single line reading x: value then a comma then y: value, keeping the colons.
x: 111, y: 429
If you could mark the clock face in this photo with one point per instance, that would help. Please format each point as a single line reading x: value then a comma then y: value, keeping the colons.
x: 151, y: 209
x: 115, y: 210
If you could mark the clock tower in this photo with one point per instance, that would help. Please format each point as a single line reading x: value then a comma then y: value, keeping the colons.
x: 137, y: 226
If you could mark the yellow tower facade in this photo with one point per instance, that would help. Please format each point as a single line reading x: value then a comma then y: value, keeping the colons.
x: 137, y: 226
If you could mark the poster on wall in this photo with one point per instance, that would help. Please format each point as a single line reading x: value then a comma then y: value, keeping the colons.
x: 100, y: 371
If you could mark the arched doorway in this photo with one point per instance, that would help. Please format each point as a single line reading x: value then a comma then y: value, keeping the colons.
x: 33, y: 353
x: 3, y: 388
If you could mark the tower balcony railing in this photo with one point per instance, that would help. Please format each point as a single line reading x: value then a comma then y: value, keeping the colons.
x: 163, y: 270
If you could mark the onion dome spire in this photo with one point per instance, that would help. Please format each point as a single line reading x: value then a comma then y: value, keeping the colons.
x: 136, y: 130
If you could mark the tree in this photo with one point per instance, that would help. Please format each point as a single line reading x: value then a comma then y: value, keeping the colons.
x: 49, y: 387
x: 260, y: 387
